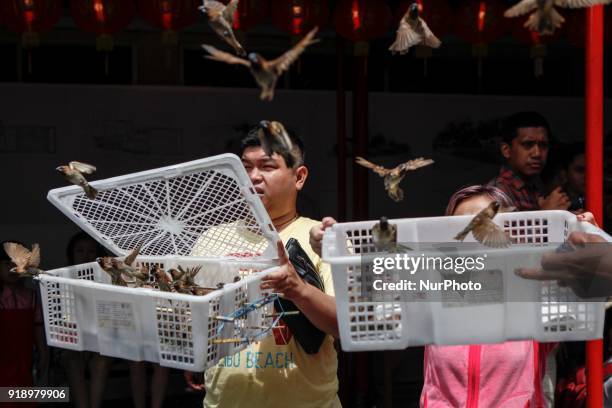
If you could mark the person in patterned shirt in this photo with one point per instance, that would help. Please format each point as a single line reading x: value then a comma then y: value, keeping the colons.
x: 524, y: 146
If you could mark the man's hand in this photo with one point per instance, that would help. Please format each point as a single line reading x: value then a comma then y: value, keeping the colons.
x: 556, y: 200
x: 316, y: 234
x: 587, y: 217
x: 587, y: 269
x: 286, y: 281
x: 193, y: 384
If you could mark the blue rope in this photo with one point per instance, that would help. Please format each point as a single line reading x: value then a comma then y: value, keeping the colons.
x: 243, y: 311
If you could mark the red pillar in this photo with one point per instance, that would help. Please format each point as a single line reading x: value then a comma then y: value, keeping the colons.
x: 594, y: 171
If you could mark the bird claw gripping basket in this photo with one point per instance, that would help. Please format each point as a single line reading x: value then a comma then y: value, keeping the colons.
x: 542, y: 310
x: 203, y: 213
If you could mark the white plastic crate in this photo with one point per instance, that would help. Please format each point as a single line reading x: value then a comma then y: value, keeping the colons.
x: 200, y: 213
x: 389, y: 323
x: 84, y: 312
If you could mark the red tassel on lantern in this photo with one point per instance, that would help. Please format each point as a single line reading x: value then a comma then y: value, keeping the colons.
x: 30, y: 17
x: 103, y: 18
x: 481, y: 22
x: 537, y: 42
x: 297, y: 17
x: 170, y: 16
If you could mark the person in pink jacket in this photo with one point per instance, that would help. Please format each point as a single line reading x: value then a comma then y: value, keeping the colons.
x: 505, y: 375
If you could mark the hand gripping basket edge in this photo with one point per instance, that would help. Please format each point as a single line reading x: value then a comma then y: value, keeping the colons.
x: 168, y: 209
x: 366, y: 325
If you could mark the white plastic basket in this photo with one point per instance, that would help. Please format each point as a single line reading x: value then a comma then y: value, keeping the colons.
x: 84, y: 312
x: 169, y: 210
x: 200, y: 213
x: 388, y: 323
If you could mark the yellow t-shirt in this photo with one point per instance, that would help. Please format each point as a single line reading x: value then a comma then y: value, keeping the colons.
x: 267, y: 374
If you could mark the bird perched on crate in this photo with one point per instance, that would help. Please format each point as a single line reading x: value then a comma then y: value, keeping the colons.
x: 384, y: 236
x: 545, y: 18
x: 485, y: 230
x: 221, y: 19
x: 26, y: 260
x: 413, y: 30
x: 74, y: 171
x: 275, y: 139
x: 265, y: 72
x: 393, y: 177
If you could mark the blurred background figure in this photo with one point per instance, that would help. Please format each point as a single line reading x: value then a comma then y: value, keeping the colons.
x: 21, y: 316
x: 85, y: 394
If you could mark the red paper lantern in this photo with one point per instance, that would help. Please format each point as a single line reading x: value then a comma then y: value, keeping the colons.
x: 481, y: 21
x: 169, y: 15
x: 30, y: 17
x: 296, y: 17
x: 437, y: 14
x: 250, y: 14
x: 103, y: 18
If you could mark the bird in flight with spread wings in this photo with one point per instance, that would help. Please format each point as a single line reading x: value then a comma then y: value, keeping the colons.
x: 266, y: 72
x: 393, y: 177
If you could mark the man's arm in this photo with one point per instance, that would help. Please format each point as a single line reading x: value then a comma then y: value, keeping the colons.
x: 317, y: 306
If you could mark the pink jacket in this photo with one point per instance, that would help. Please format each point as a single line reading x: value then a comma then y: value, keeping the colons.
x: 506, y: 375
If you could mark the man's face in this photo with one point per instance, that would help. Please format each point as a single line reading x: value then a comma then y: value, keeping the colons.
x: 528, y: 152
x: 575, y: 174
x: 276, y: 184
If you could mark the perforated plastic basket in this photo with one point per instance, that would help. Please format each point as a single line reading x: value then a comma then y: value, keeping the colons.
x: 84, y: 312
x: 204, y: 208
x: 389, y: 323
x: 169, y: 210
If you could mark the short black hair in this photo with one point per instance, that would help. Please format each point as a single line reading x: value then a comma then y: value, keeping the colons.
x: 252, y: 140
x: 82, y: 236
x: 524, y: 119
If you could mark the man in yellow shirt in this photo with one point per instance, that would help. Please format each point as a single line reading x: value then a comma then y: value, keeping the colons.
x: 277, y: 372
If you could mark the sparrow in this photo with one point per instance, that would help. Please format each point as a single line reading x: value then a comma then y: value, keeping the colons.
x: 26, y: 261
x: 274, y: 139
x: 163, y: 280
x: 393, y: 177
x: 200, y: 291
x: 485, y: 230
x: 384, y: 236
x: 413, y: 30
x: 125, y: 266
x: 265, y: 72
x: 545, y: 18
x: 74, y: 171
x: 117, y: 278
x: 221, y: 19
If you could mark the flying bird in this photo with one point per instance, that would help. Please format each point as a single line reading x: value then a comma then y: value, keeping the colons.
x: 384, y: 236
x: 274, y: 139
x: 74, y: 171
x: 413, y: 30
x: 545, y: 18
x: 393, y: 177
x: 26, y: 261
x: 485, y: 230
x: 221, y: 19
x: 265, y: 72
